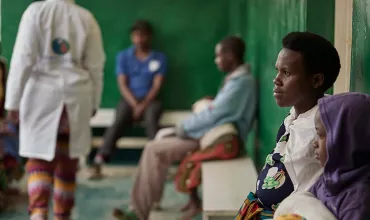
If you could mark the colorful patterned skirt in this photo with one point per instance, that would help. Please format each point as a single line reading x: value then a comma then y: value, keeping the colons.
x: 253, y: 210
x: 189, y: 173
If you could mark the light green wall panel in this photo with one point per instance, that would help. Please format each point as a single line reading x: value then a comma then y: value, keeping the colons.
x: 360, y: 67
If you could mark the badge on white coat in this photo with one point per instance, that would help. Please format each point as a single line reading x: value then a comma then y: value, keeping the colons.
x: 154, y: 65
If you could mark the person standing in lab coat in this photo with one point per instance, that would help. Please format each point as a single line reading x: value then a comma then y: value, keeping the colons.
x: 54, y: 88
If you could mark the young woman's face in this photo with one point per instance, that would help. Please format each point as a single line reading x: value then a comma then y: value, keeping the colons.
x: 292, y: 85
x: 320, y: 142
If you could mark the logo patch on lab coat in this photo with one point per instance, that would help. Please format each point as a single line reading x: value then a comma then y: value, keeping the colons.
x: 154, y: 65
x: 60, y: 46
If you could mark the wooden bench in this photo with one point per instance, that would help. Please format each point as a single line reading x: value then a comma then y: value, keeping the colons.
x: 226, y: 184
x: 105, y: 117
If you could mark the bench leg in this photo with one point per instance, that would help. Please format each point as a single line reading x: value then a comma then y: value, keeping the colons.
x: 82, y: 162
x: 205, y: 216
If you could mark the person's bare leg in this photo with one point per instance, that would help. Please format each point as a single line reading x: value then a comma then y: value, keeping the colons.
x: 194, y: 206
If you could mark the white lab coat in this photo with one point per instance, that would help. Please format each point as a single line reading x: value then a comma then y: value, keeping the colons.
x: 42, y: 80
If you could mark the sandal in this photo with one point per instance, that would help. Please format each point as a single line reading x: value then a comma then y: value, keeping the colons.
x: 124, y: 215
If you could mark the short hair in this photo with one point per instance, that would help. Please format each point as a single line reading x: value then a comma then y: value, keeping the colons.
x: 143, y: 26
x: 235, y: 45
x: 319, y: 55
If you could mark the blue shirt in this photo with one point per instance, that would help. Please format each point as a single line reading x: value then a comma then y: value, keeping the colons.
x: 235, y: 102
x: 140, y: 73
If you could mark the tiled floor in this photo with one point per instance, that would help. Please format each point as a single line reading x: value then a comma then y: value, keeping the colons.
x: 95, y: 200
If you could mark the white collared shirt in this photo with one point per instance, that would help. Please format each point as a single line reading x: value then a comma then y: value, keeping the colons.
x: 302, y: 166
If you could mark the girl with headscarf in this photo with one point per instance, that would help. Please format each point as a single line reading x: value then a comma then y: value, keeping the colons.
x: 343, y: 149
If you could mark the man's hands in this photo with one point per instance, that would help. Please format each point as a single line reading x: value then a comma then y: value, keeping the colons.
x: 138, y: 110
x: 13, y: 116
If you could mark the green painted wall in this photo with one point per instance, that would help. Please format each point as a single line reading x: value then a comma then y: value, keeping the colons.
x: 11, y: 12
x: 184, y: 30
x: 360, y: 67
x: 267, y: 22
x: 187, y: 32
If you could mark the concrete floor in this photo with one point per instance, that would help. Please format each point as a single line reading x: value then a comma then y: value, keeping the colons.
x: 170, y: 204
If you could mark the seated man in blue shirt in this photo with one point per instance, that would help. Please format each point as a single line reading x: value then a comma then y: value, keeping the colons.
x: 140, y: 73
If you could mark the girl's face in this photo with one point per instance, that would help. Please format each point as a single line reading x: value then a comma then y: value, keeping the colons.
x: 320, y: 142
